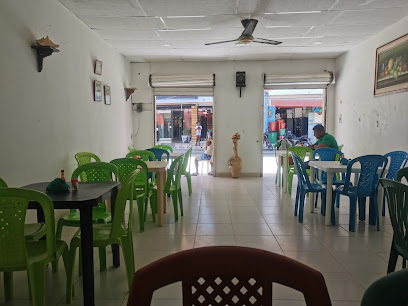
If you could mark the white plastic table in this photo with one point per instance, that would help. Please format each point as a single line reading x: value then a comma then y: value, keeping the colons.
x: 332, y: 167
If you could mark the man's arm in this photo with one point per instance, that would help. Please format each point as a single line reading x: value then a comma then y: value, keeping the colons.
x: 314, y: 147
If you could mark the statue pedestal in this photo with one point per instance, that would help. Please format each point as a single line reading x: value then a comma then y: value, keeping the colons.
x: 235, y: 162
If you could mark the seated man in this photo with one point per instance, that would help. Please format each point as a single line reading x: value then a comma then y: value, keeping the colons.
x: 324, y: 139
x: 206, y: 156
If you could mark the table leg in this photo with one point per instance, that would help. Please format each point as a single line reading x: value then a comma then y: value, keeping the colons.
x: 285, y: 174
x: 278, y: 172
x: 87, y: 254
x: 115, y: 247
x: 312, y: 194
x: 161, y: 180
x: 329, y: 198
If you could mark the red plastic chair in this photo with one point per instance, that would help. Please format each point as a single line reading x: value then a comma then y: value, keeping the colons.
x: 218, y: 276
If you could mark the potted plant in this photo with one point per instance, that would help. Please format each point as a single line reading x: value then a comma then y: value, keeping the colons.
x: 185, y: 138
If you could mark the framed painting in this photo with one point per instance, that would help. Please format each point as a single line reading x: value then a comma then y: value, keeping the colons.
x: 107, y: 95
x: 97, y: 91
x: 391, y: 67
x: 98, y: 67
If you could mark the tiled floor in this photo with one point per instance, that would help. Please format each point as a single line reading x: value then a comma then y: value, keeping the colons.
x: 246, y: 212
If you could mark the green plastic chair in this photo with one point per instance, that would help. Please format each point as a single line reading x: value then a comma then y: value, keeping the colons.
x: 32, y: 231
x: 118, y: 232
x: 184, y: 171
x: 166, y: 147
x: 17, y: 254
x: 83, y: 158
x: 341, y: 147
x: 301, y: 152
x: 131, y: 149
x: 95, y: 172
x: 397, y: 199
x: 173, y: 185
x: 142, y: 191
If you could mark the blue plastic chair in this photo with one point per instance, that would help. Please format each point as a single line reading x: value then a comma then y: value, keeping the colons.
x: 367, y: 186
x: 304, y: 186
x: 327, y: 154
x: 397, y: 160
x: 159, y: 153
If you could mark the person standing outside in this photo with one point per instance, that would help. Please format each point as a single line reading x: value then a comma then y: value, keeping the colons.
x: 324, y: 140
x: 198, y: 129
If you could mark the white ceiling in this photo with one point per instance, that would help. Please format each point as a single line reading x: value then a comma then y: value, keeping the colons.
x: 143, y: 30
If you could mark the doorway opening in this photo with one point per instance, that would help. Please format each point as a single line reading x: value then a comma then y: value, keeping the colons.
x: 290, y: 113
x: 176, y: 119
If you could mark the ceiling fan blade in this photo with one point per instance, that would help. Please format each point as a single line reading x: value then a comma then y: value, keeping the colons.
x: 267, y: 41
x: 221, y: 42
x: 250, y: 25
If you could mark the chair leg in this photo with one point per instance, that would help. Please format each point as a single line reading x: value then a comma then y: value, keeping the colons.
x: 361, y: 208
x: 8, y: 285
x: 128, y: 257
x: 180, y: 199
x: 290, y: 181
x: 317, y: 196
x: 188, y: 177
x: 102, y: 259
x: 69, y: 262
x: 392, y: 262
x: 153, y: 205
x: 297, y: 199
x: 58, y: 235
x: 323, y: 204
x: 175, y: 204
x: 145, y: 209
x: 337, y: 200
x: 352, y: 218
x: 373, y: 213
x: 383, y: 208
x: 302, y: 204
x: 36, y: 280
x: 140, y: 203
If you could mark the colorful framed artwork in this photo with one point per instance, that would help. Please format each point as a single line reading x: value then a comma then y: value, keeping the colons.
x: 98, y: 67
x: 107, y: 94
x: 97, y: 91
x: 391, y: 66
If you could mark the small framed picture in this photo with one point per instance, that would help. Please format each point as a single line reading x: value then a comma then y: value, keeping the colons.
x: 98, y: 67
x: 97, y: 91
x: 107, y: 94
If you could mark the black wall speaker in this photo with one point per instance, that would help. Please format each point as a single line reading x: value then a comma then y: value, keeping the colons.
x: 240, y: 79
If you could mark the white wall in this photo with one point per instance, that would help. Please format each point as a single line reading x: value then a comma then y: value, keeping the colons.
x: 47, y: 117
x: 232, y: 114
x: 370, y: 125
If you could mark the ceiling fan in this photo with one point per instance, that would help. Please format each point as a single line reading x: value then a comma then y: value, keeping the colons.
x: 246, y: 36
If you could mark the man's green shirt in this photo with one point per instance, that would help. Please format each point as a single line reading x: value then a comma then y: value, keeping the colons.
x: 328, y: 140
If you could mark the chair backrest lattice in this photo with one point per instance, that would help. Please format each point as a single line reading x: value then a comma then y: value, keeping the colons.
x: 143, y: 154
x: 13, y: 208
x: 83, y: 158
x: 221, y: 290
x: 397, y: 199
x: 126, y: 166
x: 228, y: 275
x: 397, y: 159
x: 402, y: 173
x: 369, y: 174
x: 158, y: 153
x: 300, y: 152
x: 165, y: 147
x: 325, y: 154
